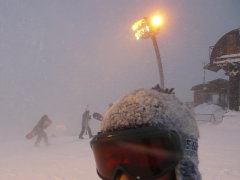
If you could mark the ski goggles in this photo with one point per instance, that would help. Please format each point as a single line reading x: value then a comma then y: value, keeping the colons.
x: 141, y: 153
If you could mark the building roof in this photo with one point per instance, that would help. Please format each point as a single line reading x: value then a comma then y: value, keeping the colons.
x: 213, y: 86
x: 226, y: 48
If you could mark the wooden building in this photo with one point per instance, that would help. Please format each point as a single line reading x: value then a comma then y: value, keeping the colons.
x: 213, y: 92
x: 225, y: 55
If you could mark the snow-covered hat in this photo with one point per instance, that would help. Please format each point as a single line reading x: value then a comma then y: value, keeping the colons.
x: 150, y: 107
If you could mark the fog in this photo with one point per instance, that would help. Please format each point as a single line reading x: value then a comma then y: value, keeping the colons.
x: 57, y: 57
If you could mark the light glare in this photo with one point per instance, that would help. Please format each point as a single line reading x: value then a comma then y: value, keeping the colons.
x: 147, y: 27
x: 157, y: 21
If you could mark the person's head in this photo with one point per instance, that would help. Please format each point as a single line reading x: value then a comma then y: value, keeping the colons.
x: 45, y: 117
x: 87, y: 108
x: 147, y: 135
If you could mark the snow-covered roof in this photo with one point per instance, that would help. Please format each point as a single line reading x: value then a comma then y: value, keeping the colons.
x: 214, y: 85
x: 226, y: 61
x: 229, y: 56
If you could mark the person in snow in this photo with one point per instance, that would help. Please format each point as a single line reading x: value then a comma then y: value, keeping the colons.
x: 42, y: 124
x: 85, y: 124
x: 148, y: 135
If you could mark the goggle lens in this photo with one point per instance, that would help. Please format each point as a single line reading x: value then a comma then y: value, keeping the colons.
x: 142, y: 157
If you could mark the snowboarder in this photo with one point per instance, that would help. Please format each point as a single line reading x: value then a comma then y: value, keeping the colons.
x: 148, y: 134
x: 85, y: 124
x: 38, y: 130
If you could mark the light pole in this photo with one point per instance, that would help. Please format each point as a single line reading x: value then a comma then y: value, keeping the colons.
x: 149, y: 27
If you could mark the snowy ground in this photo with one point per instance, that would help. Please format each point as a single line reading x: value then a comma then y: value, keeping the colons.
x: 219, y: 149
x: 68, y: 158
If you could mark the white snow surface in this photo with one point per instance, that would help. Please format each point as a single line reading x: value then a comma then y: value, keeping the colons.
x: 203, y: 111
x: 68, y: 158
x: 207, y: 108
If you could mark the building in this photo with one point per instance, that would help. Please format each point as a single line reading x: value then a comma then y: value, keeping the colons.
x: 213, y: 92
x: 225, y: 55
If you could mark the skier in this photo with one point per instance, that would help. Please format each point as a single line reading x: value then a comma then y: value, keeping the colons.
x: 148, y: 135
x: 42, y: 124
x: 85, y: 124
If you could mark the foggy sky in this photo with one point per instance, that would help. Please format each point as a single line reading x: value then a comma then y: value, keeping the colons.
x: 57, y: 57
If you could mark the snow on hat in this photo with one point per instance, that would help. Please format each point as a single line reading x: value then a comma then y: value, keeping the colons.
x: 150, y: 107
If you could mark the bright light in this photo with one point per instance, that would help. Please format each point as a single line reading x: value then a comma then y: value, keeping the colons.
x: 157, y: 21
x: 140, y: 28
x: 138, y: 25
x: 147, y: 27
x: 134, y: 27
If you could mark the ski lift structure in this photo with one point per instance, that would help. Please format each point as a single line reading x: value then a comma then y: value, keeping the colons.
x: 225, y: 55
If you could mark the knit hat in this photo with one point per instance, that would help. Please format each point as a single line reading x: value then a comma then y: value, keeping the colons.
x: 154, y: 108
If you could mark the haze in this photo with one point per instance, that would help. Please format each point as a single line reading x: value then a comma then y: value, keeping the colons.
x: 57, y: 57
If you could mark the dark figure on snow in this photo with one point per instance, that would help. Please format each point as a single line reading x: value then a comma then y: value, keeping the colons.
x: 42, y: 124
x: 85, y: 124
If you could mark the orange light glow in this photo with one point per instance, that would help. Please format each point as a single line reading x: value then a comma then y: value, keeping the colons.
x: 147, y: 26
x: 157, y: 21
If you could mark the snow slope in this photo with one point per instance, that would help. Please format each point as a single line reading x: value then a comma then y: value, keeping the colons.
x: 219, y: 149
x: 68, y: 158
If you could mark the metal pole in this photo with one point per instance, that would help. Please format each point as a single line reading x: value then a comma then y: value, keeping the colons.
x: 160, y: 67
